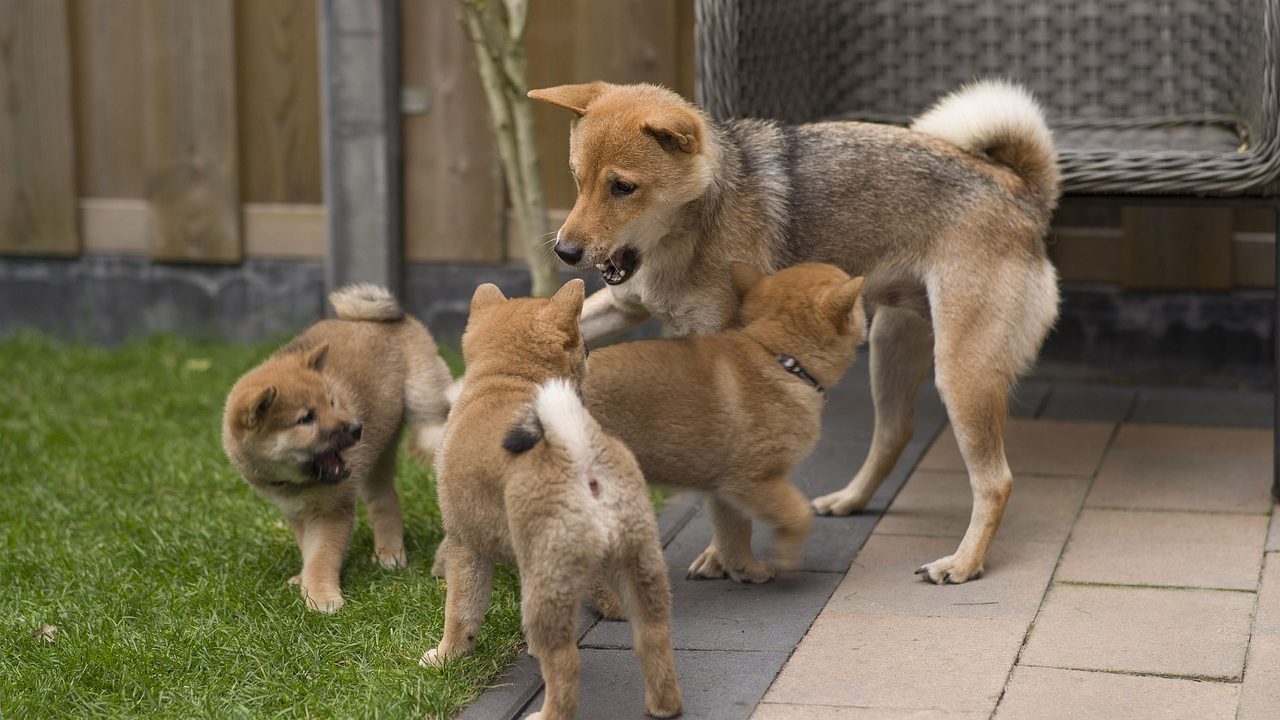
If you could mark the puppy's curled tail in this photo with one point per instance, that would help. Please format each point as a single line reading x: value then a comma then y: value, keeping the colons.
x: 557, y: 415
x: 1002, y: 121
x: 367, y: 302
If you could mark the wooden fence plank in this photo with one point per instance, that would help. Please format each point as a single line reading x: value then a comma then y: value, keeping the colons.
x: 277, y: 78
x: 454, y: 196
x: 108, y: 97
x: 37, y: 160
x: 189, y: 122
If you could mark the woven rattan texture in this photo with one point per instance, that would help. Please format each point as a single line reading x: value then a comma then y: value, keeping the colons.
x: 1145, y: 96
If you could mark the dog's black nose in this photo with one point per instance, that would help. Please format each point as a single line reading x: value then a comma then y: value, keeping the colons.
x: 355, y: 429
x: 569, y: 253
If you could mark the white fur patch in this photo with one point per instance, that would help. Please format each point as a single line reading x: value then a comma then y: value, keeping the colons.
x: 984, y: 114
x: 564, y: 419
x: 365, y: 301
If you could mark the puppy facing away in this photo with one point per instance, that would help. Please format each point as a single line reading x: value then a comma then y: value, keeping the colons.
x: 946, y: 220
x: 525, y: 474
x: 734, y: 412
x: 319, y: 424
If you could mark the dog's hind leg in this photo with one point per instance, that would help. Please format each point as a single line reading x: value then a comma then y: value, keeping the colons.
x: 989, y: 325
x: 646, y: 597
x: 383, y: 504
x: 901, y: 353
x: 466, y: 599
x: 552, y: 587
x: 426, y: 402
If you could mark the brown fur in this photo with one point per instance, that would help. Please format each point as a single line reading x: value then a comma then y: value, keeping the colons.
x: 562, y: 510
x: 719, y: 413
x: 949, y: 237
x: 380, y: 372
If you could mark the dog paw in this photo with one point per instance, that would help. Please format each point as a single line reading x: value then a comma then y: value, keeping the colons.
x: 434, y: 658
x: 390, y: 559
x: 295, y: 580
x: 752, y: 572
x: 323, y: 601
x: 950, y: 571
x: 841, y: 502
x: 707, y: 567
x: 666, y: 707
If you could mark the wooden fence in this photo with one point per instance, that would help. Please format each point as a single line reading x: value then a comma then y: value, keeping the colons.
x: 189, y: 131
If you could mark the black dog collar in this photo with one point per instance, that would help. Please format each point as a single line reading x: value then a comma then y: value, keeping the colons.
x: 792, y: 366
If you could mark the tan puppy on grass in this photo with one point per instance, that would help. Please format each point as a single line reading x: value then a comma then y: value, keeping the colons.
x: 526, y: 475
x: 734, y: 412
x: 319, y: 422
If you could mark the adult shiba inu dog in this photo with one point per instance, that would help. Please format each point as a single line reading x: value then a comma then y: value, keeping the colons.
x: 946, y: 220
x: 319, y: 424
x: 525, y: 474
x: 734, y: 412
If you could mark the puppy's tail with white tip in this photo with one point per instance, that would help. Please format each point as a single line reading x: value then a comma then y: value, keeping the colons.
x: 1003, y: 122
x: 558, y: 416
x: 365, y: 301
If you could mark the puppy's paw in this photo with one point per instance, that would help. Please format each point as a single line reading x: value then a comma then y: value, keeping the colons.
x: 390, y: 559
x: 841, y: 502
x: 664, y: 707
x: 606, y: 602
x: 295, y: 580
x: 325, y: 601
x: 435, y: 657
x: 950, y: 571
x: 708, y: 566
x: 751, y: 572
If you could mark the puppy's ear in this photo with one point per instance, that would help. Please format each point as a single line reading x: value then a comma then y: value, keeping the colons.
x: 486, y: 295
x: 744, y: 278
x: 677, y: 129
x: 842, y: 301
x: 314, y: 358
x: 258, y: 407
x: 565, y: 307
x: 571, y: 97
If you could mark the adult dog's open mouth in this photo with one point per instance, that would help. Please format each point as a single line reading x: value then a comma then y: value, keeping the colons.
x: 329, y: 467
x: 620, y: 266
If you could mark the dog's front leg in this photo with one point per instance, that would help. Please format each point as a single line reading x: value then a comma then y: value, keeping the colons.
x: 323, y: 540
x: 604, y: 316
x: 466, y: 599
x: 730, y: 550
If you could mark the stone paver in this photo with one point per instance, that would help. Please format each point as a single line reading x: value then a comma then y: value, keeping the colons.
x: 1088, y: 403
x: 881, y: 580
x: 1035, y: 447
x: 904, y: 662
x: 1192, y: 633
x: 1203, y: 550
x: 1053, y: 694
x: 725, y: 615
x: 713, y: 685
x: 938, y: 503
x: 1196, y: 406
x: 1199, y: 469
x: 787, y: 711
x: 1273, y: 537
x: 1260, y: 695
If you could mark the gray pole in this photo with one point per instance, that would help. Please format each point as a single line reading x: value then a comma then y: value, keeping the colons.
x: 360, y: 62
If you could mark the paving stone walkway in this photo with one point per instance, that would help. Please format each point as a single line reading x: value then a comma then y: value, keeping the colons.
x: 1127, y: 579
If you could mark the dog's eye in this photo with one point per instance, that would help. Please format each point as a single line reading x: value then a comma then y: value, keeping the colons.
x: 307, y: 418
x: 621, y: 188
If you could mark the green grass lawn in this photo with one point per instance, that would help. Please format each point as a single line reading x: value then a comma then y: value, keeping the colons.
x: 123, y: 525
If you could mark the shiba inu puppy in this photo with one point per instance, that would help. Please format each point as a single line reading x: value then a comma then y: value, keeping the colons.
x: 946, y: 220
x: 319, y: 424
x: 734, y: 412
x: 525, y: 474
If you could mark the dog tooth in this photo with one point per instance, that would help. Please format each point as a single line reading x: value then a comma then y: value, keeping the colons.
x: 601, y: 267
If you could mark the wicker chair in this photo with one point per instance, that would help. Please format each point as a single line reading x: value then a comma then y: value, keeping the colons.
x: 1150, y: 101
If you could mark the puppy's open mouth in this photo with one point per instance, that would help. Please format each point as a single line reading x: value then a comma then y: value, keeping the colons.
x: 329, y: 467
x: 620, y: 266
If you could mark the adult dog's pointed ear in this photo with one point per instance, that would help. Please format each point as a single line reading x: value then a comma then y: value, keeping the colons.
x: 258, y: 406
x: 314, y: 358
x: 744, y: 277
x: 571, y: 97
x: 486, y: 295
x: 841, y: 303
x: 677, y: 129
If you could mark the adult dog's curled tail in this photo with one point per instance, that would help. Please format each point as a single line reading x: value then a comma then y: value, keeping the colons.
x: 1002, y: 121
x: 365, y: 301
